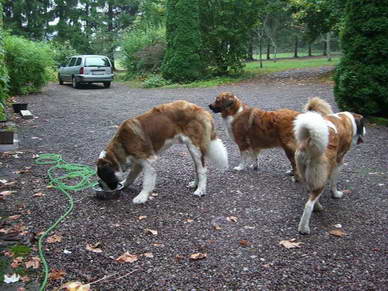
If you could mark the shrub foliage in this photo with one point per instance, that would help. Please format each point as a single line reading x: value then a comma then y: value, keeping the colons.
x: 28, y: 64
x: 182, y: 62
x: 144, y: 51
x: 362, y: 75
x: 3, y: 71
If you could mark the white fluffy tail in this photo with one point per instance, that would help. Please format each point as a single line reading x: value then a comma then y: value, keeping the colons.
x: 217, y: 154
x: 312, y: 133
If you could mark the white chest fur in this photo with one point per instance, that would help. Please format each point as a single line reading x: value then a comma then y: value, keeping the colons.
x: 228, y: 123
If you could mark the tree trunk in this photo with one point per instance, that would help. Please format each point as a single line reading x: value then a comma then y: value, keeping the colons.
x: 296, y: 47
x: 261, y: 52
x: 310, y: 51
x: 328, y: 46
x: 269, y: 50
x: 325, y: 48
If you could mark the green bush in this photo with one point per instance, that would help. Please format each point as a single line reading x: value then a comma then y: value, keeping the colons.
x: 361, y: 79
x: 155, y: 81
x: 183, y: 62
x: 4, y: 78
x: 143, y: 51
x: 28, y: 64
x: 62, y: 51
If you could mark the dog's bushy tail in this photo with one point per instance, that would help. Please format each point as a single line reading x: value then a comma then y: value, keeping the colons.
x: 312, y: 133
x: 217, y: 154
x: 318, y: 105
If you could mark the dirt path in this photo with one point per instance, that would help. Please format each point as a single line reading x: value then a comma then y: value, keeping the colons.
x: 267, y: 205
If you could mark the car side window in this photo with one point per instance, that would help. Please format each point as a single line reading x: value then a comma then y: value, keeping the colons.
x: 79, y: 61
x: 72, y: 62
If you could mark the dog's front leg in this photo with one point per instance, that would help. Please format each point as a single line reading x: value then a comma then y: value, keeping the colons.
x: 304, y: 223
x: 134, y: 173
x: 148, y: 182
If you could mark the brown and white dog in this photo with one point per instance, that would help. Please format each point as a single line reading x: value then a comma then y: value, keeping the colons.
x: 323, y: 141
x: 254, y: 129
x: 140, y: 140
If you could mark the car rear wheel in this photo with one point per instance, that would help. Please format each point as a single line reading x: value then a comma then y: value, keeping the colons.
x: 74, y: 83
x: 106, y: 84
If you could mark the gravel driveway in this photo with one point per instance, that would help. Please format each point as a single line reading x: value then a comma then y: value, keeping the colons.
x: 243, y: 252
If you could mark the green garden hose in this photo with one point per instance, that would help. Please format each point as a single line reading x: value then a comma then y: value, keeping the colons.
x: 64, y: 177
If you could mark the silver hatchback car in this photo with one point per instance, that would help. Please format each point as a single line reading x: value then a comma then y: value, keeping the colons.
x: 86, y: 69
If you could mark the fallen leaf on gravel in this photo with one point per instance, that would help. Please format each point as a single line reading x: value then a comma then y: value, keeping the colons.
x: 39, y: 194
x: 158, y: 245
x: 57, y: 274
x: 198, y: 256
x: 148, y: 255
x: 66, y: 252
x: 337, y: 232
x: 232, y: 218
x: 94, y: 247
x: 141, y: 217
x: 11, y: 278
x: 54, y: 238
x: 6, y: 193
x: 10, y: 183
x: 189, y: 220
x: 75, y: 286
x: 6, y: 230
x: 151, y: 231
x: 33, y: 263
x: 8, y: 253
x: 14, y: 217
x: 21, y: 288
x: 217, y: 227
x: 178, y: 258
x: 35, y: 156
x: 3, y: 181
x: 290, y: 244
x: 155, y: 194
x: 16, y: 262
x: 23, y: 171
x: 245, y: 243
x: 25, y: 279
x: 127, y: 258
x: 347, y: 191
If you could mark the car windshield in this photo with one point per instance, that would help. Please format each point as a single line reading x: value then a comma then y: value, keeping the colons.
x: 96, y: 62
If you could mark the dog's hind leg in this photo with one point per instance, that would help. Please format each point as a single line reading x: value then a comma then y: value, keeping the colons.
x: 194, y: 183
x: 133, y: 174
x: 200, y: 169
x: 290, y: 153
x: 256, y: 160
x: 149, y: 180
x: 304, y: 223
x: 333, y: 183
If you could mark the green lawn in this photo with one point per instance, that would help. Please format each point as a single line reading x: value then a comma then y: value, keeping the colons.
x: 252, y: 70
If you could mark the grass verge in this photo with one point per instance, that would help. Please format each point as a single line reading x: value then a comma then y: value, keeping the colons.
x: 252, y: 70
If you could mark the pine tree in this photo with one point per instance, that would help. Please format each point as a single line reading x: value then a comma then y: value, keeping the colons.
x: 182, y: 62
x: 362, y: 75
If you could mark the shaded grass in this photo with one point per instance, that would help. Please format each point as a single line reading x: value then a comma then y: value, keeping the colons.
x: 252, y: 70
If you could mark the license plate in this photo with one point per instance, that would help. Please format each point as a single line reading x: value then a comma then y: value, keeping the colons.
x: 98, y: 73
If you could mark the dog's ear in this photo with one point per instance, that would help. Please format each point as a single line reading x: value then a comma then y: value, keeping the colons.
x: 228, y: 103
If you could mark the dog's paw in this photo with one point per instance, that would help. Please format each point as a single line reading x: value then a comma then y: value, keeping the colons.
x: 192, y: 184
x: 140, y: 199
x: 199, y: 192
x: 290, y: 173
x: 318, y: 207
x: 337, y: 194
x: 304, y: 229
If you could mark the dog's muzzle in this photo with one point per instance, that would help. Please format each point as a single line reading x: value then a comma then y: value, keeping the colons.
x: 105, y: 187
x: 214, y: 109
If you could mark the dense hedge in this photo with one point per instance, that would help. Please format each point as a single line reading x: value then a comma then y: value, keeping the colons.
x: 362, y: 75
x: 62, y: 51
x: 29, y: 64
x: 182, y: 62
x: 143, y: 51
x: 3, y: 71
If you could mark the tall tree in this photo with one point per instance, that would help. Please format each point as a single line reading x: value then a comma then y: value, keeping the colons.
x: 182, y: 62
x: 226, y: 28
x: 3, y: 70
x: 361, y: 80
